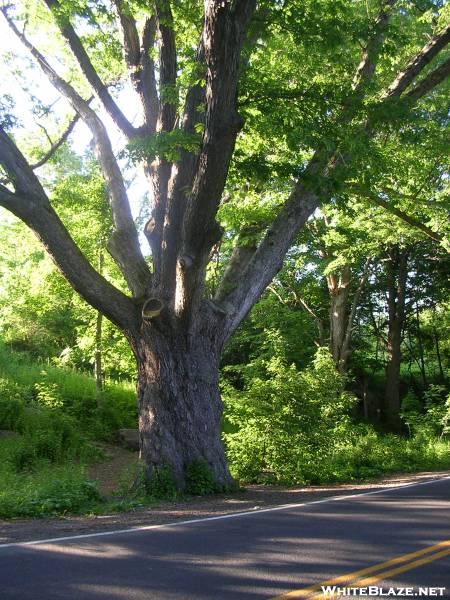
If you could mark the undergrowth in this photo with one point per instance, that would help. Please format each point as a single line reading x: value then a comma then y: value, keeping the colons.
x: 294, y: 427
x: 51, y: 420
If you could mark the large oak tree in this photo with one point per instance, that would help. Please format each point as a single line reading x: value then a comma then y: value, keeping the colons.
x: 342, y: 69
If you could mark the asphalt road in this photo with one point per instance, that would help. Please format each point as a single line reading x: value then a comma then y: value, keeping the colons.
x: 261, y: 554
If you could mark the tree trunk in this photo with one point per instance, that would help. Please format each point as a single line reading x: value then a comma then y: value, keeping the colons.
x: 98, y: 354
x: 180, y: 409
x: 98, y: 367
x: 339, y: 295
x: 346, y: 347
x: 423, y: 371
x: 397, y: 278
x: 438, y: 350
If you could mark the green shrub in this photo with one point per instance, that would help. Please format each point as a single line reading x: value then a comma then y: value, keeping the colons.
x: 23, y: 456
x: 292, y: 427
x: 162, y: 484
x: 200, y: 479
x: 287, y: 420
x: 47, y: 394
x: 51, y: 492
x: 47, y: 435
x: 12, y: 400
x: 71, y: 391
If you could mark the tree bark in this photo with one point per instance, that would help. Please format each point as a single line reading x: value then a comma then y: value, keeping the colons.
x: 438, y: 353
x: 397, y: 280
x: 339, y: 294
x: 180, y: 409
x: 98, y: 367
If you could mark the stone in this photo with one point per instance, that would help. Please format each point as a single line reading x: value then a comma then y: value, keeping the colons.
x: 129, y: 438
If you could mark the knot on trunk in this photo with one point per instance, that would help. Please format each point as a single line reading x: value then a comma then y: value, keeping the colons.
x: 151, y: 309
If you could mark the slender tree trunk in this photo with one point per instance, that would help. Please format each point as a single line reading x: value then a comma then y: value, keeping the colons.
x: 438, y: 350
x: 339, y: 293
x: 346, y: 348
x: 98, y: 353
x: 180, y: 408
x: 420, y: 347
x: 98, y: 358
x: 397, y: 279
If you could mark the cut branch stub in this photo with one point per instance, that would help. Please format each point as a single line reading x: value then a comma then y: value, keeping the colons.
x: 151, y: 309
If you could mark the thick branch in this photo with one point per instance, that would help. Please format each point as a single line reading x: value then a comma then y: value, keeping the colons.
x: 167, y: 66
x: 124, y: 244
x: 418, y: 63
x: 224, y: 32
x: 146, y: 82
x: 268, y: 259
x: 304, y: 198
x: 240, y: 257
x: 131, y: 41
x: 431, y: 81
x: 366, y: 68
x: 160, y: 169
x: 99, y: 88
x: 179, y: 187
x: 140, y: 64
x: 19, y: 173
x: 31, y: 205
x: 55, y: 147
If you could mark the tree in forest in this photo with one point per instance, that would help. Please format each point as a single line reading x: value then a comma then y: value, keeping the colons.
x: 335, y: 76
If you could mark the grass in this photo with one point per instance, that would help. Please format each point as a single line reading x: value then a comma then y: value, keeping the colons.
x: 51, y: 490
x: 76, y: 392
x: 56, y: 416
x: 72, y: 384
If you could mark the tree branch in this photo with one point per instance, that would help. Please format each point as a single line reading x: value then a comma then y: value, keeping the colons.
x: 146, y: 83
x: 416, y: 65
x: 431, y: 81
x: 167, y: 66
x: 315, y: 316
x: 99, y: 88
x: 30, y: 204
x: 124, y: 244
x: 366, y: 68
x: 224, y: 31
x: 159, y: 170
x: 304, y: 198
x: 375, y: 198
x: 140, y: 64
x: 180, y: 184
x: 131, y: 42
x: 56, y: 145
x: 241, y: 255
x: 268, y: 258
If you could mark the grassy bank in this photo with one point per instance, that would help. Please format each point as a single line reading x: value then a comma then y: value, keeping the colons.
x: 52, y: 419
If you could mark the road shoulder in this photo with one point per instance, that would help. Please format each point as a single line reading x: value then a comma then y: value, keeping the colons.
x: 252, y: 498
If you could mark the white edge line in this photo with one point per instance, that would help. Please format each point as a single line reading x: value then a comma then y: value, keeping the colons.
x: 219, y: 517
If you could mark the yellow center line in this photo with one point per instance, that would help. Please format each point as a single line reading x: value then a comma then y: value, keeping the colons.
x: 356, y: 575
x: 386, y: 574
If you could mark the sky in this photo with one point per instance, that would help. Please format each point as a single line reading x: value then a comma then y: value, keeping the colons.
x: 12, y: 50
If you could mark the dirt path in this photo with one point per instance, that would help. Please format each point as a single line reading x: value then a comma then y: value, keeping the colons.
x: 253, y: 498
x: 115, y: 469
